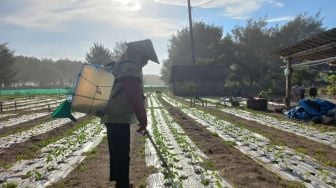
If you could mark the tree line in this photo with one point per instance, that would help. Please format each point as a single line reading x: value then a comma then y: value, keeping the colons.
x: 23, y: 71
x: 246, y: 51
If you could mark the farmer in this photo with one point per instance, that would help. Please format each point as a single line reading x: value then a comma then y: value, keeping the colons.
x: 302, y: 91
x: 296, y: 93
x: 126, y: 107
x: 313, y: 91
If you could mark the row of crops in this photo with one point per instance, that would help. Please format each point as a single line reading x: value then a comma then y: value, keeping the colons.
x: 287, y: 163
x: 181, y: 155
x: 22, y: 120
x: 178, y: 159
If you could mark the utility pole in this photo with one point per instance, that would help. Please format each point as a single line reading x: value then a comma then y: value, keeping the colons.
x: 192, y: 48
x: 288, y: 74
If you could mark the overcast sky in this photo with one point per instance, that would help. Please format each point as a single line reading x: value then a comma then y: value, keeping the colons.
x: 68, y: 28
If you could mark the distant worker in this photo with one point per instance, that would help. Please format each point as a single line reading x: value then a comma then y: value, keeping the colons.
x: 296, y: 93
x: 126, y: 107
x: 313, y: 91
x: 302, y: 91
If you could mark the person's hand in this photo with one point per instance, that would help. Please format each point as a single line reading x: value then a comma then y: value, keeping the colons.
x: 143, y: 125
x: 142, y: 130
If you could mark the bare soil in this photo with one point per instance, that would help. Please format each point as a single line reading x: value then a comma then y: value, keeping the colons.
x: 30, y: 149
x: 321, y: 152
x: 238, y: 169
x: 94, y: 170
x: 324, y: 153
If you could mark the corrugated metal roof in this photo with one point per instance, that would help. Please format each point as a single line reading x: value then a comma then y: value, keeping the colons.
x: 319, y: 46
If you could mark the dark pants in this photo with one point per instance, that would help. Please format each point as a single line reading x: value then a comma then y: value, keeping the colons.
x: 118, y: 135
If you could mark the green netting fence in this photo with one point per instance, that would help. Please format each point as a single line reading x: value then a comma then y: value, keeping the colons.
x: 23, y: 92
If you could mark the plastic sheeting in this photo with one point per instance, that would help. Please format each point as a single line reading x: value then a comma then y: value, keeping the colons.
x: 285, y: 162
x: 186, y: 156
x: 311, y: 109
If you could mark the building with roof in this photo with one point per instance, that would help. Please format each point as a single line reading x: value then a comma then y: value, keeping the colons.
x: 317, y: 50
x: 209, y: 80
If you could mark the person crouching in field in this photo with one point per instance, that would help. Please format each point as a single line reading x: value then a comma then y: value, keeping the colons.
x: 126, y: 107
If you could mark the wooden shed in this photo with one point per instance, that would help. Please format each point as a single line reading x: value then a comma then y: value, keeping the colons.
x: 209, y: 80
x: 315, y: 50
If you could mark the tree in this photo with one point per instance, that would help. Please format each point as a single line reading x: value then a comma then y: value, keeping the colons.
x: 7, y: 69
x: 301, y: 27
x: 206, y: 41
x: 251, y: 56
x: 98, y: 54
x: 118, y: 50
x: 303, y: 75
x: 331, y: 88
x: 61, y: 72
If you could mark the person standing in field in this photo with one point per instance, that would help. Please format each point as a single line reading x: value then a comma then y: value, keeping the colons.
x: 313, y: 91
x: 302, y: 91
x: 126, y: 107
x: 296, y: 93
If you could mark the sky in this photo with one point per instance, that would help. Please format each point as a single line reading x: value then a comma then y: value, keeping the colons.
x: 68, y: 28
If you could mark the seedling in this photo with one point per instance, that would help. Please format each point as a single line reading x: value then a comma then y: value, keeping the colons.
x: 205, y: 181
x: 323, y: 174
x: 51, y: 168
x: 307, y: 176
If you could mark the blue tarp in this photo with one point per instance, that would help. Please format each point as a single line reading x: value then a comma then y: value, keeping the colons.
x: 312, y: 109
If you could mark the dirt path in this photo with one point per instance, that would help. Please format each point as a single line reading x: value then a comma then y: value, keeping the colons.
x: 94, y: 170
x: 237, y: 168
x: 325, y: 154
x: 30, y: 149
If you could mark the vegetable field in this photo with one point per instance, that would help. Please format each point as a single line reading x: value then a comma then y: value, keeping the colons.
x: 214, y: 146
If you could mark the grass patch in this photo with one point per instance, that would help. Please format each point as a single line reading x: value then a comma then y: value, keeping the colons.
x: 229, y: 143
x: 6, y: 165
x: 214, y: 134
x: 291, y: 184
x: 81, y: 167
x: 208, y: 165
x: 9, y: 185
x: 91, y: 154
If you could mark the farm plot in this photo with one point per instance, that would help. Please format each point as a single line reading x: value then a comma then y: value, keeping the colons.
x: 57, y: 160
x: 22, y: 119
x: 7, y: 141
x: 22, y: 101
x: 35, y: 104
x: 6, y: 115
x: 322, y: 152
x: 328, y: 138
x: 281, y: 160
x: 181, y: 157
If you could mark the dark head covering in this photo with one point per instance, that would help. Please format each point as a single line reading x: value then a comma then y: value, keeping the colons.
x: 145, y: 47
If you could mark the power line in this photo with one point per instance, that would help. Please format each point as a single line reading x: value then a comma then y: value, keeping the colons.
x: 203, y: 4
